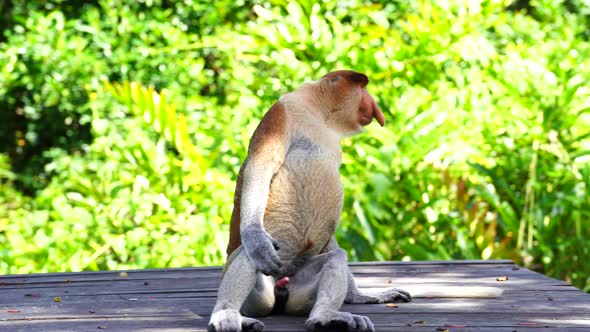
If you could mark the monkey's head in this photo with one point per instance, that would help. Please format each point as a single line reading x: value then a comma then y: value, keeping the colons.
x: 350, y: 106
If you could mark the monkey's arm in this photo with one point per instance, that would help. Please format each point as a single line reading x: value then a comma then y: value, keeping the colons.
x: 266, y: 154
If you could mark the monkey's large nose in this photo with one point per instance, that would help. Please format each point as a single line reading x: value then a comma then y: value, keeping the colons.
x: 377, y: 113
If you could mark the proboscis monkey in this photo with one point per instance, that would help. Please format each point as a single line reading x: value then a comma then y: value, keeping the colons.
x: 283, y: 256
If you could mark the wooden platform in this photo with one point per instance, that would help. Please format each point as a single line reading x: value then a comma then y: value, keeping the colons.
x: 182, y: 300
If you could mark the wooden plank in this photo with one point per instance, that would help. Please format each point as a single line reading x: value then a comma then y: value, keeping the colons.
x: 188, y: 325
x: 278, y: 323
x: 141, y: 306
x: 37, y: 297
x: 376, y: 280
x: 214, y: 272
x: 217, y: 268
x: 215, y: 277
x: 212, y: 277
x: 195, y: 287
x: 182, y: 300
x: 198, y: 270
x: 441, y: 270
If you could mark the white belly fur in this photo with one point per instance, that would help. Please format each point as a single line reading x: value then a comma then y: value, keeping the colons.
x: 305, y: 202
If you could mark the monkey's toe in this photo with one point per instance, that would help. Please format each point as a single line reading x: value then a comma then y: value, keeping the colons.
x: 331, y: 326
x: 252, y: 325
x: 226, y: 321
x: 404, y: 296
x: 395, y: 295
x: 363, y: 323
x: 339, y: 321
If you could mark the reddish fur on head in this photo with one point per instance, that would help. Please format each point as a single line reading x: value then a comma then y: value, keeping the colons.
x: 347, y: 86
x: 349, y: 75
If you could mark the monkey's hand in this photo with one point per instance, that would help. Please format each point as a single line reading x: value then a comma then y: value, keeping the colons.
x: 262, y: 250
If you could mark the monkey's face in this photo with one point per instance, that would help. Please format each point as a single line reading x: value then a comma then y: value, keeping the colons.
x: 351, y: 106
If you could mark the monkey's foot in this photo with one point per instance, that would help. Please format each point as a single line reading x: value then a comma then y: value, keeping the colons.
x: 390, y: 295
x: 396, y: 295
x: 331, y: 320
x: 230, y: 320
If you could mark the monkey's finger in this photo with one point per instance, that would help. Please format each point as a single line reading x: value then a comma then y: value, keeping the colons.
x: 275, y: 244
x: 252, y: 325
x: 272, y: 269
x: 270, y: 264
x: 361, y: 324
x: 273, y: 256
x: 404, y: 296
x: 277, y: 264
x: 370, y: 326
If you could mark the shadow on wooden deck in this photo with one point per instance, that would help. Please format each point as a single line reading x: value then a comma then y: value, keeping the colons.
x: 182, y: 300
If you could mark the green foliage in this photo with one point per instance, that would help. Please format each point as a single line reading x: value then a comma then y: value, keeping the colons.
x: 126, y: 122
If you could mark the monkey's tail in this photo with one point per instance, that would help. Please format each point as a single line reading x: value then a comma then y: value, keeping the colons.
x: 432, y: 291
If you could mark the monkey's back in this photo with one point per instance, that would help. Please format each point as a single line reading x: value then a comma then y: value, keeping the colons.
x: 305, y: 200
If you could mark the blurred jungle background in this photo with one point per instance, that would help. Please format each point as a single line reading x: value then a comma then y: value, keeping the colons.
x: 123, y: 125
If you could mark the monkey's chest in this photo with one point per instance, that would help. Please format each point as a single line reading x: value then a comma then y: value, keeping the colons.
x: 305, y: 203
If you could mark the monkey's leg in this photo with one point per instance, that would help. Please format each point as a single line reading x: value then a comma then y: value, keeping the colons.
x: 325, y: 280
x: 389, y: 295
x: 354, y: 295
x: 238, y: 282
x: 261, y: 299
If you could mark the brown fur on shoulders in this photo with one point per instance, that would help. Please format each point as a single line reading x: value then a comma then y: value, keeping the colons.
x: 267, y: 138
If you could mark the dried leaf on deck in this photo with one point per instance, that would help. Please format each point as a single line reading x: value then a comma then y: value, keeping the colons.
x: 391, y: 305
x: 123, y: 274
x: 502, y: 278
x: 57, y: 299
